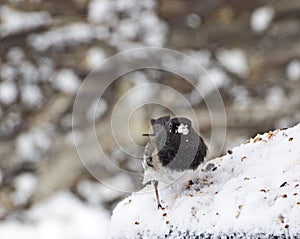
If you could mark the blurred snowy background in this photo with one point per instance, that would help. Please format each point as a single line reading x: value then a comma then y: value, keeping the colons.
x: 47, y: 48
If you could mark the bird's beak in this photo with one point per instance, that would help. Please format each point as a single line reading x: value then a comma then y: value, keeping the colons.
x: 148, y: 135
x: 183, y: 129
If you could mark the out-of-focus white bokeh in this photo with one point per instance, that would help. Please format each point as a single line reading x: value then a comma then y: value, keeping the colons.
x: 47, y: 49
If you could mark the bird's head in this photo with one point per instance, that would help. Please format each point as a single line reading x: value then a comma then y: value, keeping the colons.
x: 159, y: 123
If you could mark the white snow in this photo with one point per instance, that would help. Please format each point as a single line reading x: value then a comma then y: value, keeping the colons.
x: 96, y: 110
x: 32, y: 144
x: 241, y: 97
x: 15, y: 55
x: 31, y: 96
x: 293, y: 70
x: 8, y: 92
x: 60, y: 37
x: 67, y: 81
x: 62, y: 216
x: 128, y: 29
x: 99, y: 11
x: 95, y: 56
x: 183, y: 129
x: 7, y: 72
x: 134, y: 23
x: 148, y: 4
x: 125, y: 5
x: 46, y: 69
x: 13, y: 21
x: 101, y: 33
x: 91, y: 191
x: 217, y: 76
x: 122, y: 24
x: 154, y: 29
x: 234, y: 61
x: 25, y: 185
x: 254, y: 189
x: 69, y: 137
x: 28, y: 71
x: 203, y: 57
x: 275, y: 97
x: 9, y: 123
x: 261, y: 18
x: 142, y: 90
x: 96, y: 193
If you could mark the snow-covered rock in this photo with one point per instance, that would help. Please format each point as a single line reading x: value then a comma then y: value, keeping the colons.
x: 253, y: 192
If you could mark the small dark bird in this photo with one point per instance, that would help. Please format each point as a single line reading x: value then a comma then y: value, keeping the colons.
x: 173, y: 147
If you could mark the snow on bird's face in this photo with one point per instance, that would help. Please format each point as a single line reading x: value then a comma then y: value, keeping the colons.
x: 179, y: 126
x: 183, y: 129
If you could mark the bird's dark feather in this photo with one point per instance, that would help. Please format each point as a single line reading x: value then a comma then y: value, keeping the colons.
x: 177, y: 151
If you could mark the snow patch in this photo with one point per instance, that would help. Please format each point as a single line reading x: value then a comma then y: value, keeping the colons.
x: 96, y: 110
x: 13, y: 21
x: 60, y: 37
x: 95, y: 56
x: 217, y: 76
x: 46, y: 69
x: 8, y: 92
x: 234, y: 61
x: 7, y: 72
x: 28, y: 71
x: 133, y: 23
x: 96, y: 193
x: 25, y: 185
x: 100, y: 11
x: 31, y: 96
x: 62, y: 216
x: 67, y: 81
x: 9, y: 123
x: 154, y: 29
x: 32, y: 144
x: 275, y: 98
x: 15, y: 55
x: 293, y: 70
x: 183, y: 129
x: 261, y: 18
x: 128, y: 29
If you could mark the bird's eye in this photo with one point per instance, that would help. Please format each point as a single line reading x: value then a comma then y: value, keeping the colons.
x: 149, y: 161
x: 170, y: 125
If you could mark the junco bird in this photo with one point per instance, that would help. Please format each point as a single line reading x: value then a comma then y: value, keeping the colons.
x: 173, y: 148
